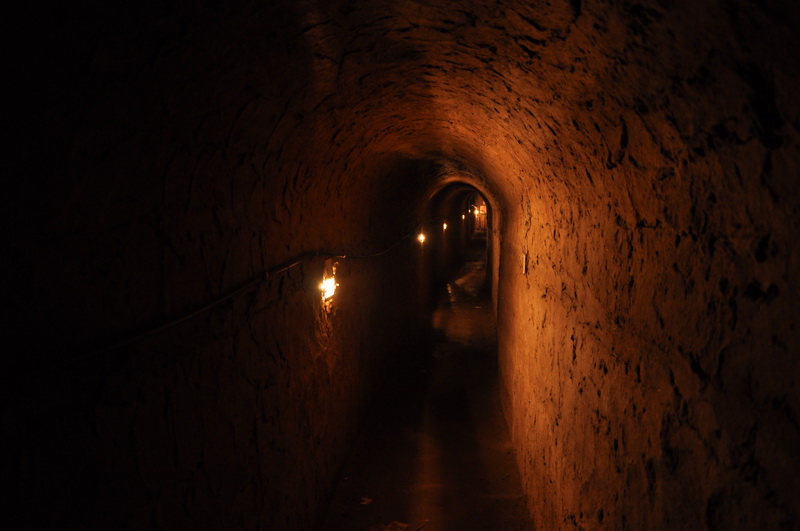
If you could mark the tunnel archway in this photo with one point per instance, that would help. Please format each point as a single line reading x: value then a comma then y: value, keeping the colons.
x: 472, y: 214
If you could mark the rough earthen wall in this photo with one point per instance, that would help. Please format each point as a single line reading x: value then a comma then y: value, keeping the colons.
x: 650, y: 352
x: 171, y: 157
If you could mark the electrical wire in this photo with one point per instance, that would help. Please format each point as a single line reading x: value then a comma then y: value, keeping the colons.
x: 263, y: 277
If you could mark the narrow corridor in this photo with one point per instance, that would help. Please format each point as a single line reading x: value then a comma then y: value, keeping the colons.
x: 435, y: 453
x: 231, y: 228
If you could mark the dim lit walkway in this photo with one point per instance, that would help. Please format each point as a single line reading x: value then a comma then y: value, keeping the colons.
x: 435, y: 454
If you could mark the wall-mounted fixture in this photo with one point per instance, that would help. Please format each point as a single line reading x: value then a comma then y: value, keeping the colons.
x: 328, y: 285
x: 328, y: 288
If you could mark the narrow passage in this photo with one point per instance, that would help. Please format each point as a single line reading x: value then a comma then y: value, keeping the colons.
x: 435, y: 452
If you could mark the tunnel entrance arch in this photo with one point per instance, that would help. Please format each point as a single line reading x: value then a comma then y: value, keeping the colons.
x: 458, y: 216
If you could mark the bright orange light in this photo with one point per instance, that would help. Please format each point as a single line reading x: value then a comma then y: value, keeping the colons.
x: 328, y: 287
x: 444, y: 226
x: 421, y: 238
x: 462, y: 216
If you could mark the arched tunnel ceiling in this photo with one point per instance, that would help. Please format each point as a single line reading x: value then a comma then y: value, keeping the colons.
x: 536, y: 99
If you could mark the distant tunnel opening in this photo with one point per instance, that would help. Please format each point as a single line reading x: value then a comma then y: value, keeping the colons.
x: 461, y: 224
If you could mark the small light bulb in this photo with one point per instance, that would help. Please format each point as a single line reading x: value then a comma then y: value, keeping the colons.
x: 421, y: 238
x: 444, y: 226
x: 328, y: 287
x: 462, y: 216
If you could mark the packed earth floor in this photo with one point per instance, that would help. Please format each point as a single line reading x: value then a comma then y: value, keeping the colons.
x: 435, y: 452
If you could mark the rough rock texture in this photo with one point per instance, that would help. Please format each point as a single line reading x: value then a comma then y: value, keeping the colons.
x: 641, y: 163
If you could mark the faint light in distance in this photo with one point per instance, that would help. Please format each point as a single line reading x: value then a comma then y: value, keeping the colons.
x: 463, y: 216
x: 444, y: 226
x: 421, y: 238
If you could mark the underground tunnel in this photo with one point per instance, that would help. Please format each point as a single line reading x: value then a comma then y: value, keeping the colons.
x: 214, y: 274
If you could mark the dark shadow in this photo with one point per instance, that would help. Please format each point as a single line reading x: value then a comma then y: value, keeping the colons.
x: 434, y: 451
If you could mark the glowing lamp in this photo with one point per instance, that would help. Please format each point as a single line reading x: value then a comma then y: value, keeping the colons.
x: 463, y: 216
x: 444, y: 226
x: 421, y: 238
x: 328, y: 287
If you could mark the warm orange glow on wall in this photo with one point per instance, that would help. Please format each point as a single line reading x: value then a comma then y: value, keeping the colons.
x: 480, y: 217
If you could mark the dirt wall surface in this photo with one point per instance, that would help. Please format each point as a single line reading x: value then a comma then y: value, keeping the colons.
x: 641, y: 160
